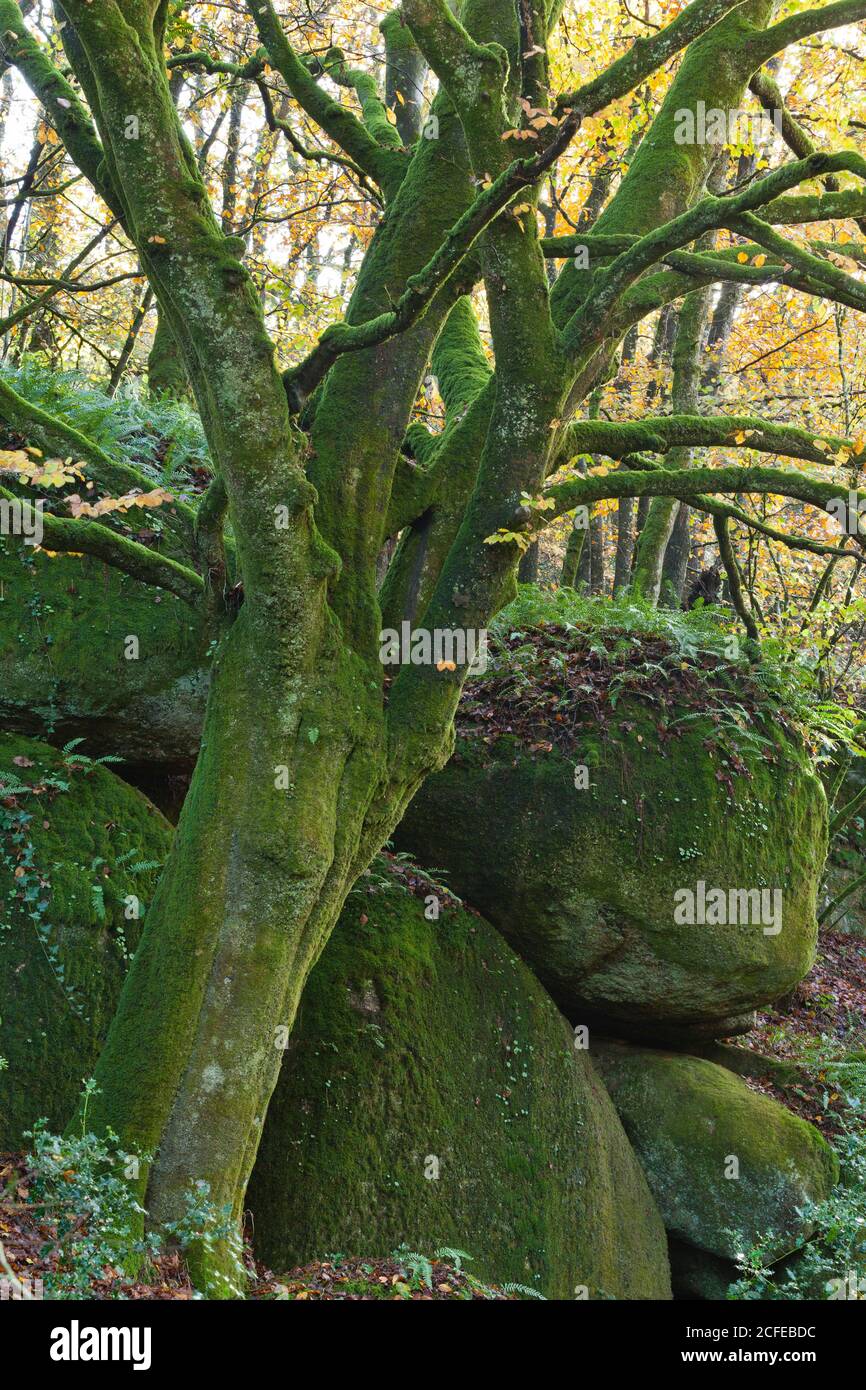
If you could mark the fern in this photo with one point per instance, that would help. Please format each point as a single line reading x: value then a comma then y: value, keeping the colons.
x: 416, y: 1266
x: 454, y: 1257
x: 127, y: 426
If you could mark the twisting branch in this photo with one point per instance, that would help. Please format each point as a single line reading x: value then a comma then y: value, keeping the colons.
x: 275, y: 122
x: 364, y: 85
x: 644, y: 57
x: 589, y: 322
x: 197, y: 58
x: 812, y: 267
x: 385, y: 166
x: 91, y: 538
x: 715, y: 509
x: 765, y: 87
x: 720, y: 265
x: 766, y: 42
x: 732, y: 570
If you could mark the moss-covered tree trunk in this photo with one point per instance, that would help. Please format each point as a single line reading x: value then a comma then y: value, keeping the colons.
x: 270, y: 840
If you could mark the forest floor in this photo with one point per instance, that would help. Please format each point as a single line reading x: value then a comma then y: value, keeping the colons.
x: 29, y: 1245
x: 823, y: 1023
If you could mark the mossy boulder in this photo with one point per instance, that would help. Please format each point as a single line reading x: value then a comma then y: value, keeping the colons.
x: 68, y: 667
x: 79, y: 857
x: 730, y: 1168
x: 578, y: 856
x: 431, y: 1095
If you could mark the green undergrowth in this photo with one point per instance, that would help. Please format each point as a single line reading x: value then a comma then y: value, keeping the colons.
x: 84, y: 1188
x: 557, y: 656
x: 160, y: 436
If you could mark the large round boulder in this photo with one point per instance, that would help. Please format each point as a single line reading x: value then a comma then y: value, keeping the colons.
x: 641, y: 824
x: 89, y: 652
x: 431, y: 1096
x: 80, y: 854
x: 730, y: 1168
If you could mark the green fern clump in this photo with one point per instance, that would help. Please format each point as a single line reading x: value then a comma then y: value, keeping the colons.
x: 162, y: 437
x: 702, y: 629
x: 654, y: 644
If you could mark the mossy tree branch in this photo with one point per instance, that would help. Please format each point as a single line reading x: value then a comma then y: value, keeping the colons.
x: 81, y: 536
x: 590, y: 320
x: 384, y: 166
x: 374, y: 112
x: 644, y: 57
x: 693, y: 482
x: 658, y: 434
x: 714, y: 508
x: 795, y: 27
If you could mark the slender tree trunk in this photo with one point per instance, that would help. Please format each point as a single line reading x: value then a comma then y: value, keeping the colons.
x: 574, y: 552
x: 126, y: 352
x: 625, y: 516
x: 596, y: 550
x: 625, y: 507
x: 527, y: 570
x: 653, y: 540
x: 676, y: 559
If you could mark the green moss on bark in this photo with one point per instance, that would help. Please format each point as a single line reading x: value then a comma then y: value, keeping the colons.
x: 425, y: 1047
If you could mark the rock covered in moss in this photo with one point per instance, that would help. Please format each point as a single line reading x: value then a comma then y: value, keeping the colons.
x: 730, y: 1168
x: 69, y: 668
x: 431, y: 1096
x: 590, y: 811
x: 80, y: 853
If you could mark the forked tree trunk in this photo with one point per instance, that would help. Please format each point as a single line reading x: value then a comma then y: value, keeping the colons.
x: 288, y: 801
